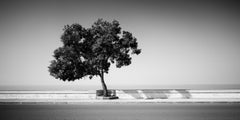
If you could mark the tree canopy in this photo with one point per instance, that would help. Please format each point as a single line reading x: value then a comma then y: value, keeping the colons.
x: 91, y: 51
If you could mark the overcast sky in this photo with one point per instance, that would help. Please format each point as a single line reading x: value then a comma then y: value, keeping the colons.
x: 182, y: 42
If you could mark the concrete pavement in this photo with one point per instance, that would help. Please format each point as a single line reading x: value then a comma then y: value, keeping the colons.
x: 125, y: 96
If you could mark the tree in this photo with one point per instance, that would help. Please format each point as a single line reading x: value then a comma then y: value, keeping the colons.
x: 90, y: 52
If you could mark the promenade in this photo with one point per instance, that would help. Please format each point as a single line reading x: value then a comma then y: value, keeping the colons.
x: 125, y: 96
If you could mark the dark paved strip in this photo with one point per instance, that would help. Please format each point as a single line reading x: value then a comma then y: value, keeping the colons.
x: 130, y: 111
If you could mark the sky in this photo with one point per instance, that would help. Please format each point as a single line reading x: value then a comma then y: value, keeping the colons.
x: 183, y: 42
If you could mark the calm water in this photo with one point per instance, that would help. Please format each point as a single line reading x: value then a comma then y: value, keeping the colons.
x: 127, y: 111
x: 81, y: 87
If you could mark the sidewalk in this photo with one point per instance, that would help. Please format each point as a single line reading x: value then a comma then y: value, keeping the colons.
x: 125, y: 96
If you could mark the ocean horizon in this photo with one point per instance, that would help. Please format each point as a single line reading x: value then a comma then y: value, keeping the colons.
x: 94, y: 87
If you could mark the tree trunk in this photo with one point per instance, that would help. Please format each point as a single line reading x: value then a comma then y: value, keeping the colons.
x: 105, y: 91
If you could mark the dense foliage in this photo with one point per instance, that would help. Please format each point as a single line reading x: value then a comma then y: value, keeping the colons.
x: 91, y: 51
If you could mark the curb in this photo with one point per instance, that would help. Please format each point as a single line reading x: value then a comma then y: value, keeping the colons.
x: 116, y: 101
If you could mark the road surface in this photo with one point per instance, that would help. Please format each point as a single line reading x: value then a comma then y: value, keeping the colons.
x: 119, y: 111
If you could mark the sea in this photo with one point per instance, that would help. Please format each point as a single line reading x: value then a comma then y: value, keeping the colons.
x: 116, y: 87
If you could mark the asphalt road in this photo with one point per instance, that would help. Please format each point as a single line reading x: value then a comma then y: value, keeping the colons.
x: 126, y: 111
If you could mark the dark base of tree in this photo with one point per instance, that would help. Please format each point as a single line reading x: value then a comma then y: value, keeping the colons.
x: 111, y: 94
x: 107, y: 98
